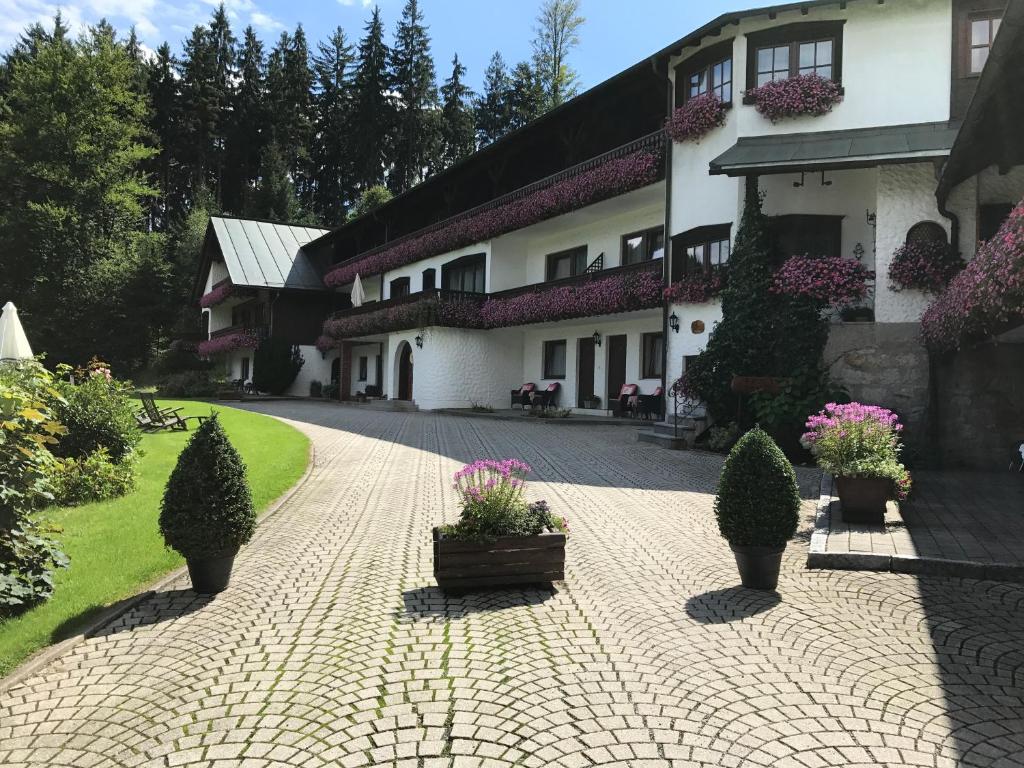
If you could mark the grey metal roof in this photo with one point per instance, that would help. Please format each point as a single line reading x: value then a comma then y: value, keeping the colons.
x: 853, y: 148
x: 265, y: 255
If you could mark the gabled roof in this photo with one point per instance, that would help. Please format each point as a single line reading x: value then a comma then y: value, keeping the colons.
x: 852, y: 148
x: 260, y: 254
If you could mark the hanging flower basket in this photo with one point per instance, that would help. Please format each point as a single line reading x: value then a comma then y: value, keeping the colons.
x: 228, y: 343
x: 695, y: 289
x: 828, y: 280
x: 924, y: 266
x: 795, y: 96
x: 696, y: 118
x: 220, y: 293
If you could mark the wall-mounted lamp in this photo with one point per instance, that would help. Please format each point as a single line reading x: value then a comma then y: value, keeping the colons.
x: 419, y: 340
x: 673, y: 322
x: 597, y: 339
x: 871, y: 218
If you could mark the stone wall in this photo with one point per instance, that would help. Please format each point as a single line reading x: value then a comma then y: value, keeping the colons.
x: 885, y: 364
x: 980, y: 406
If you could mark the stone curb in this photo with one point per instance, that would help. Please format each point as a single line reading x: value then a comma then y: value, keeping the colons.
x: 598, y: 421
x: 819, y: 558
x: 46, y: 656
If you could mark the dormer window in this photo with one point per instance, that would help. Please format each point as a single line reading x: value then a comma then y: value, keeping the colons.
x: 804, y: 48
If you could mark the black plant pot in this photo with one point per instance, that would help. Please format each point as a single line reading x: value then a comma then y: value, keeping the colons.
x: 211, y: 575
x: 758, y: 566
x: 863, y: 499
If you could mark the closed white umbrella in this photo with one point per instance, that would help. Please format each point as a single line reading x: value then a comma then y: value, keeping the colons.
x: 13, y: 342
x: 358, y: 294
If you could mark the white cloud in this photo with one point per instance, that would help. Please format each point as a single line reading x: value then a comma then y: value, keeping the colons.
x: 364, y: 3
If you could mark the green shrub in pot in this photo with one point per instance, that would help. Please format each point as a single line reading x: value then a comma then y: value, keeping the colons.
x: 207, y: 511
x: 757, y: 507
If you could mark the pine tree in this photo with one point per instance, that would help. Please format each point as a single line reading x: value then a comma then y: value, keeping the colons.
x: 372, y: 110
x: 167, y: 171
x: 290, y: 103
x: 556, y: 34
x: 412, y: 74
x: 493, y: 118
x: 247, y: 126
x: 74, y: 139
x: 526, y: 96
x: 275, y: 198
x: 332, y: 160
x: 458, y: 137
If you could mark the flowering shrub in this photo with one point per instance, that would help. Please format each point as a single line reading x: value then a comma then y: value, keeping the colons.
x: 459, y: 313
x: 610, y: 295
x: 221, y: 292
x: 696, y: 289
x: 857, y: 440
x: 695, y: 118
x: 794, y: 96
x: 491, y: 494
x: 925, y: 265
x: 99, y: 413
x: 228, y: 343
x: 325, y: 343
x: 613, y: 177
x: 987, y: 295
x: 828, y: 280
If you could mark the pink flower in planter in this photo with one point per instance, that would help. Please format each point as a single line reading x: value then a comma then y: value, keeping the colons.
x: 228, y: 343
x: 611, y: 178
x: 987, y: 296
x: 220, y: 293
x: 795, y: 96
x: 696, y: 289
x: 925, y: 266
x: 697, y: 117
x: 829, y: 280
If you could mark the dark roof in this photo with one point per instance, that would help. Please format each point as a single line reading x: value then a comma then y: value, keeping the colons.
x: 991, y: 131
x: 390, y: 220
x: 853, y: 148
x: 261, y: 254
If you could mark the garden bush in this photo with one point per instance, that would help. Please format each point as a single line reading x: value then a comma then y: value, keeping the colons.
x: 27, y: 557
x: 191, y: 384
x: 98, y: 412
x: 92, y: 478
x: 207, y: 505
x: 276, y: 363
x: 758, y: 501
x: 491, y: 493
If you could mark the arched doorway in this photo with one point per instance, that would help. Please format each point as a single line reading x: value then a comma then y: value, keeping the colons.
x: 405, y: 371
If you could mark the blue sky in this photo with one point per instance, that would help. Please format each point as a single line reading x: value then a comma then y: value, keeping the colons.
x: 616, y: 34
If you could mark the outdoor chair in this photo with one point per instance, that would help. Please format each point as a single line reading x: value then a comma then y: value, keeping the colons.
x: 521, y: 396
x: 547, y: 397
x: 652, y: 405
x: 627, y: 400
x: 153, y: 418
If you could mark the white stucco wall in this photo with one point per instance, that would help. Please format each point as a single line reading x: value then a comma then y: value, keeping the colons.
x: 414, y: 271
x: 217, y: 272
x: 314, y: 368
x: 906, y: 195
x: 457, y: 368
x: 370, y: 352
x: 633, y: 325
x: 686, y: 342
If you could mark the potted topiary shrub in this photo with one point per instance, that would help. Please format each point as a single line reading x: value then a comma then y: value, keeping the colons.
x: 500, y: 539
x: 207, y: 512
x: 757, y: 507
x: 859, y: 444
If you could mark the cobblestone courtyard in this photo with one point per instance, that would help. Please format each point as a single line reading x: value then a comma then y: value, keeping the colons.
x: 332, y: 647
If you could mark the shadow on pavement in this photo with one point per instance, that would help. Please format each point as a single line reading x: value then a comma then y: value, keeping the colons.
x: 721, y: 606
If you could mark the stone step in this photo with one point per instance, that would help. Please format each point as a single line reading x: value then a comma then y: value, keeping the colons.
x: 685, y: 425
x: 680, y: 443
x: 392, y: 405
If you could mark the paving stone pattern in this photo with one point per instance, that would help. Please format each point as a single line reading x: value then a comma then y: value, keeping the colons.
x: 333, y: 647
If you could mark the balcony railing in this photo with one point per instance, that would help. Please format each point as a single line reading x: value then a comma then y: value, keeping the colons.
x: 511, y: 211
x: 620, y: 289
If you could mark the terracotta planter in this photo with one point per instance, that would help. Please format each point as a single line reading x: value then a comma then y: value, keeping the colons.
x: 863, y: 499
x: 758, y: 566
x: 467, y: 565
x: 211, y: 575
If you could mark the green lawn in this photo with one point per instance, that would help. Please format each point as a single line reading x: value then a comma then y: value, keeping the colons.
x: 115, y: 546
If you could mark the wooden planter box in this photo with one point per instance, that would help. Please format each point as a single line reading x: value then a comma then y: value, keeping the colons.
x: 468, y: 565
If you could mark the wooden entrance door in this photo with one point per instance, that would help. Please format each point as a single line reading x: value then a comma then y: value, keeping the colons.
x: 585, y: 372
x: 405, y: 373
x: 616, y: 367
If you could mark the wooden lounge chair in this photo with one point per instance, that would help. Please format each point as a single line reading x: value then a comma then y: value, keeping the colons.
x: 153, y: 418
x: 521, y: 396
x: 627, y: 400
